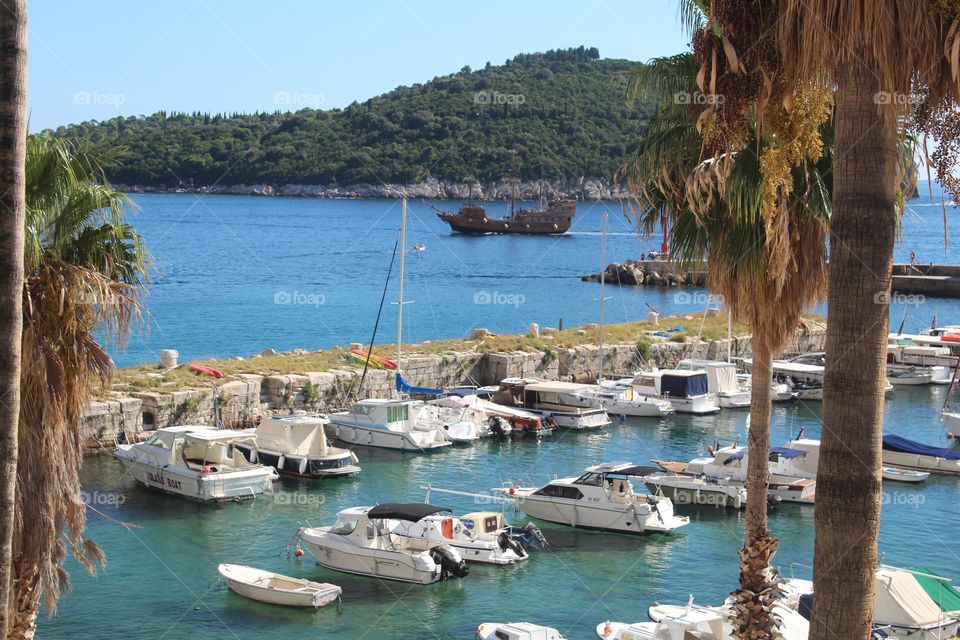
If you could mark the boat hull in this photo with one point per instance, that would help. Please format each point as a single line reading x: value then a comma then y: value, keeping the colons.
x: 386, y: 565
x: 366, y: 436
x: 918, y: 462
x: 312, y: 594
x: 691, y: 491
x: 572, y: 514
x: 340, y: 465
x: 213, y: 487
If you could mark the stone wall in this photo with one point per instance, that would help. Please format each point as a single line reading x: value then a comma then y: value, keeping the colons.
x: 241, y: 402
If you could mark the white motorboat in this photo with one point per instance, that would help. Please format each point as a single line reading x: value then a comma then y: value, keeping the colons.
x: 805, y: 380
x: 197, y: 462
x: 670, y: 622
x: 473, y: 545
x: 909, y: 454
x: 516, y: 631
x: 602, y: 498
x: 908, y: 375
x: 939, y: 360
x: 620, y: 400
x: 904, y: 475
x: 492, y: 419
x: 493, y: 523
x: 559, y: 402
x: 687, y: 391
x: 363, y: 541
x: 697, y: 490
x: 273, y: 588
x: 951, y: 419
x: 297, y: 446
x: 407, y: 425
x: 722, y: 380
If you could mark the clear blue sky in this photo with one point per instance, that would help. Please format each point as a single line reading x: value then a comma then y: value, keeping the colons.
x: 96, y: 59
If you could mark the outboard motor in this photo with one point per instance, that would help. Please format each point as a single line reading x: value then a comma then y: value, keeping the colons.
x: 504, y: 541
x: 534, y: 533
x: 496, y: 426
x: 451, y: 564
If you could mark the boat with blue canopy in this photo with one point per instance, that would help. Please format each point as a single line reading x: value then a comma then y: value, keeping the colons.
x: 910, y: 454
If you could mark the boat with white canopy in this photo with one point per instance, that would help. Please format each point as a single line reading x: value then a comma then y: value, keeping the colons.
x: 687, y: 391
x: 722, y: 380
x: 297, y: 446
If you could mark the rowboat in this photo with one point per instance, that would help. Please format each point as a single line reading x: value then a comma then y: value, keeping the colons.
x: 273, y: 588
x: 375, y: 361
x: 904, y: 475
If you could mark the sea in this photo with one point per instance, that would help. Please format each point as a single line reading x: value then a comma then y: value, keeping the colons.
x: 236, y: 275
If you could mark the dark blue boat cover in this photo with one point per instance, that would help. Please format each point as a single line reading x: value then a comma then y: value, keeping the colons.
x: 900, y: 444
x: 683, y: 386
x: 788, y: 453
x: 404, y: 387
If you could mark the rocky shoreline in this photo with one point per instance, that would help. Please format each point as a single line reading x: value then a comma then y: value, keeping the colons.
x: 583, y: 188
x: 662, y: 273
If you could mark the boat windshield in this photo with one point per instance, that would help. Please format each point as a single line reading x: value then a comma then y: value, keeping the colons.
x: 344, y: 527
x: 590, y: 479
x: 156, y: 441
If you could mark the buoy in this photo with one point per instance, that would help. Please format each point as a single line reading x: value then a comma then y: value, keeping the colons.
x: 512, y: 491
x: 607, y: 629
x: 298, y: 553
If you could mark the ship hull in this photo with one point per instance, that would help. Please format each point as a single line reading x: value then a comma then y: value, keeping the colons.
x: 504, y: 227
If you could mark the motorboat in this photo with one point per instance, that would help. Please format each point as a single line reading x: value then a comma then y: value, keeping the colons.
x: 939, y: 361
x: 556, y: 402
x: 602, y: 498
x: 721, y: 380
x: 396, y: 423
x: 472, y: 544
x: 909, y: 454
x: 896, y: 474
x: 675, y: 622
x: 951, y: 419
x: 686, y: 490
x: 687, y: 391
x: 491, y: 419
x: 805, y: 380
x: 297, y: 446
x: 944, y: 341
x: 197, y: 462
x: 620, y: 400
x: 363, y: 541
x: 528, y: 536
x: 274, y: 588
x: 516, y: 631
x: 909, y: 375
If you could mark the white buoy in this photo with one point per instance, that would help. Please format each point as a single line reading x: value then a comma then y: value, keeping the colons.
x: 168, y: 358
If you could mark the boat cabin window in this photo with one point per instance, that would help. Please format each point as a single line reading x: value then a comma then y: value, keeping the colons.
x: 363, y: 409
x: 371, y: 531
x: 559, y: 491
x: 156, y: 441
x: 397, y: 412
x: 344, y: 527
x: 591, y: 480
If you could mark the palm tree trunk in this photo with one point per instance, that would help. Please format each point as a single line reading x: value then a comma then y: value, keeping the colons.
x: 13, y: 137
x: 861, y: 257
x: 758, y: 587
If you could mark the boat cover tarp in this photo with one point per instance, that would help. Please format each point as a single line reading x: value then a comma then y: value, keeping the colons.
x: 404, y: 387
x: 683, y: 386
x: 899, y: 444
x: 788, y: 453
x: 724, y: 378
x: 398, y: 511
x: 943, y: 593
x: 736, y: 455
x: 900, y: 600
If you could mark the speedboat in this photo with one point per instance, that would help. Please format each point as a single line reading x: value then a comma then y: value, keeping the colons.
x: 699, y: 622
x: 687, y: 391
x: 556, y: 402
x: 363, y: 541
x: 297, y: 446
x: 722, y: 380
x: 473, y: 545
x: 273, y: 588
x: 602, y: 498
x: 909, y: 454
x: 197, y: 462
x: 407, y: 425
x: 697, y: 490
x: 516, y: 631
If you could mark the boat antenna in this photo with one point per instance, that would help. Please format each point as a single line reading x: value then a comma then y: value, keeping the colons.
x: 403, y: 249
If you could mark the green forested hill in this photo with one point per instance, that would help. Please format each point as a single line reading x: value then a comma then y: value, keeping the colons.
x: 555, y: 115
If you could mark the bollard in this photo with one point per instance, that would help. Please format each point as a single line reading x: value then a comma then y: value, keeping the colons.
x: 534, y: 329
x: 168, y: 358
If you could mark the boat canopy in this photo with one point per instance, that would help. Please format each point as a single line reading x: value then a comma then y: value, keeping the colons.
x: 621, y: 468
x: 405, y: 387
x: 557, y: 387
x: 900, y: 600
x: 899, y: 444
x: 788, y: 453
x: 736, y: 455
x: 683, y: 386
x: 397, y: 511
x: 941, y: 591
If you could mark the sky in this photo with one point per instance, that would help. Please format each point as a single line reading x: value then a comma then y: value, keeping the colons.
x: 96, y: 59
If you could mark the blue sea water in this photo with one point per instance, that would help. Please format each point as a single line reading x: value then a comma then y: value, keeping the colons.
x: 235, y: 275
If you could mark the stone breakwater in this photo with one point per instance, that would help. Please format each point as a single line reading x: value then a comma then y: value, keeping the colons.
x: 662, y: 273
x: 583, y: 188
x: 242, y: 401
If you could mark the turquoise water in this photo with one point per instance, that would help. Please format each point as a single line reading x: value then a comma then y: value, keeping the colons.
x: 161, y: 580
x: 237, y: 274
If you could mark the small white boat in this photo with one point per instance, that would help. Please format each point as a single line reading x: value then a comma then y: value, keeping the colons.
x: 397, y: 423
x: 461, y: 432
x: 722, y: 380
x: 909, y: 454
x: 297, y: 446
x: 620, y: 400
x: 473, y: 545
x: 904, y: 475
x: 951, y: 419
x: 902, y: 376
x: 697, y: 490
x: 273, y: 588
x: 558, y: 402
x: 516, y: 631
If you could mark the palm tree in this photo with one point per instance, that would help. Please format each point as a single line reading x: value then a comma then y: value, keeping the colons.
x: 716, y: 210
x: 892, y: 66
x: 13, y: 133
x: 84, y: 270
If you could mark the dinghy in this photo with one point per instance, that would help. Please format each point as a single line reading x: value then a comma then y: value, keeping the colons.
x: 516, y: 631
x: 904, y: 475
x: 273, y: 588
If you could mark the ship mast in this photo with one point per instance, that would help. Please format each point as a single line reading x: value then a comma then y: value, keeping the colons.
x: 513, y: 193
x: 403, y: 246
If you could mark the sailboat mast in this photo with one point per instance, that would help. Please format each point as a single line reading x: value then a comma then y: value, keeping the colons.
x: 729, y: 335
x: 603, y: 270
x: 403, y: 250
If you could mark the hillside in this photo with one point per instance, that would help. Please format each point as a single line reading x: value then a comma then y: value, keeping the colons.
x: 557, y: 115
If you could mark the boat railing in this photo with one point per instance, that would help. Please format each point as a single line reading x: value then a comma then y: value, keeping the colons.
x: 795, y: 565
